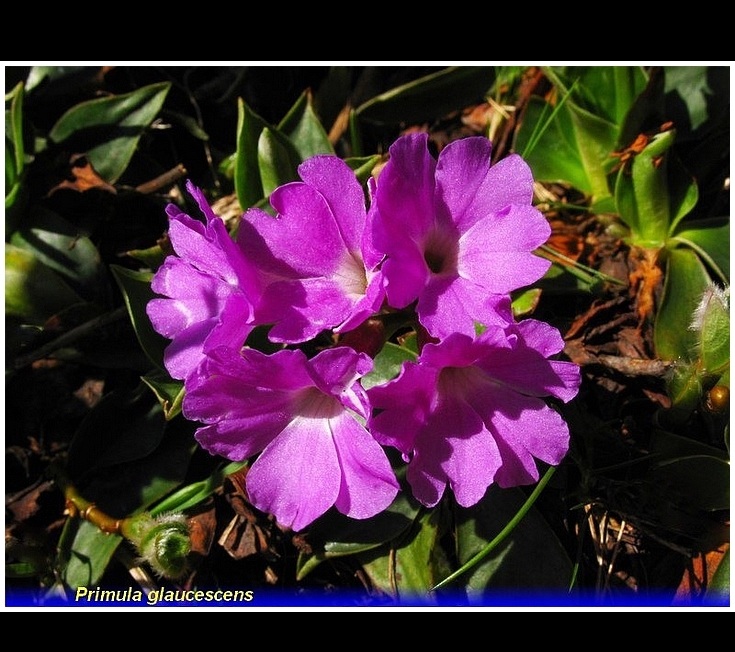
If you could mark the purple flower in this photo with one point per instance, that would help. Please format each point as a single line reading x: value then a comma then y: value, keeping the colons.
x: 302, y: 416
x: 471, y: 412
x: 314, y: 255
x: 208, y: 289
x: 455, y: 231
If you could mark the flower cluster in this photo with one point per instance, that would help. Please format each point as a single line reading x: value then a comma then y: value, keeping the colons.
x: 439, y: 242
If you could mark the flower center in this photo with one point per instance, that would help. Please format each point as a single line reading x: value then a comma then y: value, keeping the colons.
x: 441, y: 253
x: 352, y: 277
x: 312, y: 403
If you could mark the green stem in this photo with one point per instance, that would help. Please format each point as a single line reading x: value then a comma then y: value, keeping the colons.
x: 503, y: 533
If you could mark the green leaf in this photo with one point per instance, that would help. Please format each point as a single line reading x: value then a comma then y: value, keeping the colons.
x: 59, y: 246
x: 642, y: 194
x: 363, y: 166
x: 700, y: 481
x: 152, y: 257
x: 277, y: 160
x: 685, y: 280
x: 170, y: 392
x: 84, y: 553
x: 103, y: 439
x: 530, y: 558
x: 409, y: 570
x: 712, y: 321
x: 137, y: 292
x: 193, y: 494
x: 557, y: 135
x: 304, y: 129
x: 34, y: 292
x: 608, y: 92
x: 387, y: 364
x: 109, y: 129
x: 335, y: 535
x: 525, y: 302
x: 710, y: 239
x: 718, y: 591
x: 429, y: 97
x: 248, y: 186
x: 14, y: 145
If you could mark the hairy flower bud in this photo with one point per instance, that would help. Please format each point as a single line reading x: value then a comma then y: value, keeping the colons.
x: 163, y: 542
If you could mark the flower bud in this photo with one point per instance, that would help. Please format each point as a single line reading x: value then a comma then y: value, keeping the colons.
x: 163, y: 542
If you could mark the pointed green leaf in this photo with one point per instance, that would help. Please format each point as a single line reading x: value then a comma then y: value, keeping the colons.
x: 642, y: 195
x: 699, y: 481
x: 431, y: 96
x: 170, y: 392
x: 551, y: 134
x: 192, y: 494
x: 103, y: 439
x: 685, y: 280
x: 248, y: 186
x: 363, y: 165
x: 59, y: 246
x: 387, y: 364
x: 109, y: 129
x: 711, y: 240
x: 33, y: 291
x: 304, y: 129
x: 335, y: 535
x: 84, y: 553
x: 718, y: 590
x: 531, y: 558
x: 137, y: 292
x: 277, y: 160
x: 409, y: 570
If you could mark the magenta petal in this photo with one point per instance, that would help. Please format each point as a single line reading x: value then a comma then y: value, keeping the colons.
x: 297, y: 488
x: 182, y: 356
x: 368, y: 484
x: 305, y: 236
x: 460, y: 171
x: 336, y: 182
x: 505, y: 244
x: 508, y: 182
x: 525, y: 428
x: 453, y: 447
x: 401, y: 406
x: 405, y: 194
x: 303, y: 308
x: 454, y: 305
x: 405, y: 275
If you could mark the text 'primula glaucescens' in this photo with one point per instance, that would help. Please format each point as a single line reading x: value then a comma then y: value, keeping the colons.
x: 433, y: 246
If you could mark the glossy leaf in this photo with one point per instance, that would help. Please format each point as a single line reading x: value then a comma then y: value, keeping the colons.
x: 642, y: 194
x: 104, y: 440
x: 431, y: 96
x: 304, y: 129
x: 336, y: 535
x: 700, y: 481
x: 363, y: 166
x: 277, y: 160
x: 718, y: 590
x: 556, y: 135
x: 608, y: 92
x: 33, y: 291
x: 109, y: 129
x: 685, y: 280
x: 14, y: 146
x: 712, y: 322
x: 710, y: 239
x: 387, y: 364
x: 137, y: 292
x: 59, y: 246
x: 531, y: 558
x: 170, y: 392
x: 84, y: 553
x: 410, y: 569
x: 248, y: 186
x: 193, y: 494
